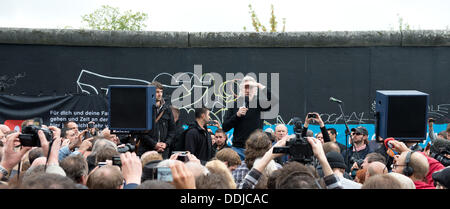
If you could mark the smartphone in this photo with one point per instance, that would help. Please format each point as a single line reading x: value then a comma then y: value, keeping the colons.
x: 90, y: 125
x: 312, y: 115
x: 211, y: 123
x: 164, y: 174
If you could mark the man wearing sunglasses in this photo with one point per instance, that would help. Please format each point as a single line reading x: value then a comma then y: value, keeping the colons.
x: 359, y: 149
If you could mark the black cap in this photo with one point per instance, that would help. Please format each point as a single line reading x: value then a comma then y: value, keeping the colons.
x: 442, y: 176
x: 361, y: 130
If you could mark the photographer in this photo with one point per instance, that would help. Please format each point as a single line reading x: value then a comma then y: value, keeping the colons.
x: 315, y: 117
x: 254, y: 175
x: 359, y: 149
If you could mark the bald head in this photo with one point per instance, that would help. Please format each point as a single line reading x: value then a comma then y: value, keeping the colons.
x: 4, y: 128
x: 280, y: 131
x: 418, y: 163
x: 376, y: 168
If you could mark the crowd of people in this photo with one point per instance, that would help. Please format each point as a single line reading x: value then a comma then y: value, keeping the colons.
x: 172, y: 157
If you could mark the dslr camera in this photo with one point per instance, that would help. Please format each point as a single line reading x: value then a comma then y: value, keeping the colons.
x: 297, y: 148
x: 30, y: 137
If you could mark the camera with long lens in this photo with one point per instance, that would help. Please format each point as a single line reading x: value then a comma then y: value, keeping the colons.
x: 127, y: 148
x: 30, y: 137
x: 297, y: 148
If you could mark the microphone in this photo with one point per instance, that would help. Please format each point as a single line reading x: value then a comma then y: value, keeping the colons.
x: 246, y: 102
x: 388, y: 144
x: 335, y: 100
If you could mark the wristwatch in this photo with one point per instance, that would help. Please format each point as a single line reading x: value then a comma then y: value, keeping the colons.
x: 4, y: 171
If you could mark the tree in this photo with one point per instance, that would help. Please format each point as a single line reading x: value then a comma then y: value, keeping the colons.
x: 260, y: 27
x: 110, y: 18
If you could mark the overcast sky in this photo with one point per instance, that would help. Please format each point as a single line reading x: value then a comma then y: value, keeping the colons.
x: 233, y: 15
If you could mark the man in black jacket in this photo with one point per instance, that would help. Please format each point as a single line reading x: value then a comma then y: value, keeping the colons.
x: 198, y: 139
x: 245, y: 119
x: 160, y: 138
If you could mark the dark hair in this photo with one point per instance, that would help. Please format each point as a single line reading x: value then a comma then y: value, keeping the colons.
x: 48, y: 181
x: 200, y: 111
x: 75, y: 167
x: 35, y: 153
x: 63, y: 131
x: 257, y: 144
x: 375, y: 157
x: 271, y: 181
x: 332, y: 130
x: 155, y: 184
x: 295, y: 175
x: 157, y: 84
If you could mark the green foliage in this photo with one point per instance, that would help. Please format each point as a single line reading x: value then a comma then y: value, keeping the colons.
x: 260, y: 27
x: 110, y: 18
x: 402, y: 26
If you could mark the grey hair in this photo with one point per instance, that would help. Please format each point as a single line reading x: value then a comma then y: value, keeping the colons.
x: 102, y: 143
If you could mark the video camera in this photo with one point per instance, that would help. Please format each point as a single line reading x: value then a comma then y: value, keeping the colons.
x: 297, y: 148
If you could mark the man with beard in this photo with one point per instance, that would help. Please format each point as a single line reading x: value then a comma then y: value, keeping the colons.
x: 359, y: 148
x: 160, y: 138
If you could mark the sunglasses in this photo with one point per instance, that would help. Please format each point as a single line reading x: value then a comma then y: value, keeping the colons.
x: 356, y: 134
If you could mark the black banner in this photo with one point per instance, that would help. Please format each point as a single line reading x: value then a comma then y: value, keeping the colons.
x: 54, y: 110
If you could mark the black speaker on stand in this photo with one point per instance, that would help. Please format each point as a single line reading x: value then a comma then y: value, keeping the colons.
x: 402, y: 114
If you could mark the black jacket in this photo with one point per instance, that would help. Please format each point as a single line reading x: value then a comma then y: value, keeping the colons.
x: 198, y: 142
x: 163, y: 131
x: 245, y: 125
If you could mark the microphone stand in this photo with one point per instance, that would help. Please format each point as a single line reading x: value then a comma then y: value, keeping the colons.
x: 347, y: 133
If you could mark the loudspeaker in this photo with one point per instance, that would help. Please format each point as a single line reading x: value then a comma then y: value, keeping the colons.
x: 402, y: 114
x: 130, y: 107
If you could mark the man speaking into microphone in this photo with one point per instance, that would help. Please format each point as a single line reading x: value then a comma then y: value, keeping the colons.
x: 245, y: 118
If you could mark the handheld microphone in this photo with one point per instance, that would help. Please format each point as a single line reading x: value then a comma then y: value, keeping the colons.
x: 388, y: 144
x: 246, y: 102
x: 335, y: 100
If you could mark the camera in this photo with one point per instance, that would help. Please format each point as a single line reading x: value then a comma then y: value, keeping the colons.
x: 312, y: 115
x: 358, y: 162
x: 90, y: 125
x: 297, y: 148
x: 127, y: 148
x: 116, y: 160
x: 100, y: 164
x: 30, y: 137
x: 182, y: 156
